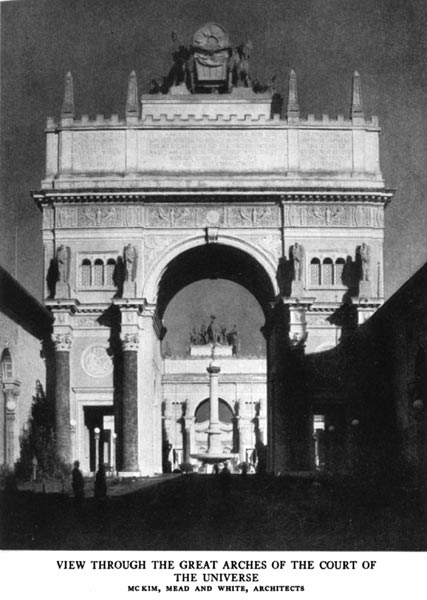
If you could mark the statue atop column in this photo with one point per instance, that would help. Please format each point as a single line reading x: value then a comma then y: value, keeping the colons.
x: 365, y: 260
x: 129, y: 259
x: 62, y: 288
x: 297, y: 256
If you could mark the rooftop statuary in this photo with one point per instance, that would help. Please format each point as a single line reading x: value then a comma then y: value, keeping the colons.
x: 210, y: 64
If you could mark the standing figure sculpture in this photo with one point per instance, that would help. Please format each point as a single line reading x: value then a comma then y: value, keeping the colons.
x: 62, y: 261
x: 242, y: 64
x: 214, y: 331
x: 233, y: 340
x: 365, y: 259
x: 180, y: 55
x: 297, y: 257
x: 130, y: 258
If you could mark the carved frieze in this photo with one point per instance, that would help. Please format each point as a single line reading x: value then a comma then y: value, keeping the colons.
x: 267, y: 216
x: 241, y: 216
x: 86, y: 321
x: 332, y: 215
x: 253, y: 216
x: 98, y: 216
x: 210, y: 216
x: 47, y: 217
x: 159, y: 216
x: 318, y: 319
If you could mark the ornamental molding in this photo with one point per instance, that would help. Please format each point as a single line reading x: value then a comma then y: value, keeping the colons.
x: 96, y: 216
x: 333, y: 215
x: 213, y: 196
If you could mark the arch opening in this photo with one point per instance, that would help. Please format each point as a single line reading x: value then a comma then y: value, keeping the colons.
x: 215, y: 261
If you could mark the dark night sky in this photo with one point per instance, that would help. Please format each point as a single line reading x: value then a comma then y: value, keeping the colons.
x: 325, y: 41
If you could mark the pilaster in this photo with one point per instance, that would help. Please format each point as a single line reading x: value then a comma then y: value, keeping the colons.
x: 11, y: 389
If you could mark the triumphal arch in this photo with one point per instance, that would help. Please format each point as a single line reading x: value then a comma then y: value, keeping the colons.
x: 206, y: 174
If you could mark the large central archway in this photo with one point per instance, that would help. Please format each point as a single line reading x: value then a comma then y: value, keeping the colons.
x: 243, y: 379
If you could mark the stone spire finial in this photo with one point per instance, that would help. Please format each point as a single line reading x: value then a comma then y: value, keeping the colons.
x: 68, y: 103
x: 293, y: 107
x: 132, y: 96
x: 356, y: 97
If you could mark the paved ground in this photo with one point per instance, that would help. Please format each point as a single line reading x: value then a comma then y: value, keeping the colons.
x: 199, y: 512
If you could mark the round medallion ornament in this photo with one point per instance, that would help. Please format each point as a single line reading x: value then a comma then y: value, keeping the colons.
x: 96, y: 362
x: 211, y: 38
x: 212, y: 217
x: 10, y: 405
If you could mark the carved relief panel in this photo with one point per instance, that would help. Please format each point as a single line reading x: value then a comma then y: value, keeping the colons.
x: 333, y: 215
x: 98, y: 216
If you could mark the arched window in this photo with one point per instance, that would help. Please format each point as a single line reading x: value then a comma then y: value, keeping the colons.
x: 109, y: 272
x: 98, y: 273
x: 225, y: 412
x: 339, y: 268
x: 315, y: 272
x: 85, y: 272
x: 327, y: 272
x: 6, y: 365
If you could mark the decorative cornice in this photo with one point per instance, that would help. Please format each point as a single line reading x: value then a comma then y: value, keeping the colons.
x: 213, y: 196
x: 62, y: 304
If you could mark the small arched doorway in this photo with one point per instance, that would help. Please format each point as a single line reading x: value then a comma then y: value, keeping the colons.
x: 227, y: 420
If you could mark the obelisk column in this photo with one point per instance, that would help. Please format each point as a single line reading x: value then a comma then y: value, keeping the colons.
x: 62, y: 345
x: 129, y: 421
x: 214, y: 442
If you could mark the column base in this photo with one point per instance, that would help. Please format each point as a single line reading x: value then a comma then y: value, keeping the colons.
x: 127, y: 474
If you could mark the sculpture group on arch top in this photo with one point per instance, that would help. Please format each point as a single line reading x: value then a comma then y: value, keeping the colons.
x: 210, y: 64
x: 216, y: 334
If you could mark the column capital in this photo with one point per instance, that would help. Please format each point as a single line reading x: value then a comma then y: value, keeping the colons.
x: 189, y: 421
x: 130, y: 342
x: 11, y: 386
x: 62, y: 342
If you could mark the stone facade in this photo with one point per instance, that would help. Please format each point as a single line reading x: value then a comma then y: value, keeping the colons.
x: 187, y: 179
x: 25, y: 326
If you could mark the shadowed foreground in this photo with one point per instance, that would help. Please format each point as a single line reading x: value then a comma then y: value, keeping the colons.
x: 199, y: 512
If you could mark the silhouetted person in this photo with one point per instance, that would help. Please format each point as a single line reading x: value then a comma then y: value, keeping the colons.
x: 244, y: 469
x: 100, y: 483
x: 78, y: 483
x: 216, y: 469
x: 225, y: 479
